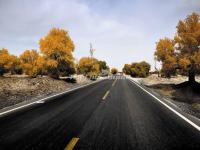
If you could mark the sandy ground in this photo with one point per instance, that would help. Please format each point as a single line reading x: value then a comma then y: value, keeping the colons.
x: 186, y: 98
x: 154, y: 79
x: 16, y: 89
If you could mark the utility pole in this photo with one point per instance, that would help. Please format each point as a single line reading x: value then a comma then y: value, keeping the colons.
x: 91, y: 51
x: 92, y: 54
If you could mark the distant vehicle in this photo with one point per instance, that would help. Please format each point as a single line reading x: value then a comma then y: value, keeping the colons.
x: 120, y: 73
x: 69, y: 79
x: 104, y: 73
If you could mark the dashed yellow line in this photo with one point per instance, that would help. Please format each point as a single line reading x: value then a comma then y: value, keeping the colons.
x: 72, y: 143
x: 105, y: 96
x: 114, y: 82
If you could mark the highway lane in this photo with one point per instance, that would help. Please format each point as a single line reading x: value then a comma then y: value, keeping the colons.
x: 132, y: 119
x: 51, y: 125
x: 109, y: 115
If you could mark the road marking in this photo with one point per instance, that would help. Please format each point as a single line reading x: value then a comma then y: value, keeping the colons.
x: 114, y: 82
x: 40, y: 102
x: 44, y: 99
x: 72, y: 143
x: 170, y: 108
x: 104, y: 97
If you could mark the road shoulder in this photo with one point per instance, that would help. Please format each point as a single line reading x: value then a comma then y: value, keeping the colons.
x: 192, y: 120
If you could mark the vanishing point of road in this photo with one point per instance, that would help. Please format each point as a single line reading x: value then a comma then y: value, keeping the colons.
x: 107, y: 115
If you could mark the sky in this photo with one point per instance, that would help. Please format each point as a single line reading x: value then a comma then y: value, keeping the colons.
x: 121, y: 31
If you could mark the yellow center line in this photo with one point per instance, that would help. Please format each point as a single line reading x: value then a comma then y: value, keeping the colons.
x: 71, y: 144
x: 114, y: 82
x: 104, y: 97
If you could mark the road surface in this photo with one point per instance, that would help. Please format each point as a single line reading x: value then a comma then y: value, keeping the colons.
x: 109, y: 115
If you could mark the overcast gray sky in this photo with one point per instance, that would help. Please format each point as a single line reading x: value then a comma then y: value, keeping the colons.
x: 122, y: 31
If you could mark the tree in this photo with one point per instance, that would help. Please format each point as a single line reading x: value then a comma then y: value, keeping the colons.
x: 15, y: 67
x: 114, y: 71
x: 145, y: 68
x: 41, y: 65
x: 183, y: 64
x: 169, y: 66
x: 137, y: 69
x: 165, y: 53
x: 188, y: 41
x: 140, y: 69
x: 103, y: 65
x: 127, y: 69
x: 7, y: 61
x: 183, y: 52
x: 57, y: 48
x: 28, y: 62
x: 89, y: 67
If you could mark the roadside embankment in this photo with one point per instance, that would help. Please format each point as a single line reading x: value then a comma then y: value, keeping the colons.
x: 16, y: 89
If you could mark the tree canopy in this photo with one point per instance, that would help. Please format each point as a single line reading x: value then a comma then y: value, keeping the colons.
x: 183, y: 52
x: 8, y: 62
x: 57, y: 48
x: 103, y: 65
x: 188, y: 44
x: 88, y: 66
x: 55, y: 57
x: 137, y: 69
x: 28, y: 62
x: 114, y: 71
x: 165, y: 53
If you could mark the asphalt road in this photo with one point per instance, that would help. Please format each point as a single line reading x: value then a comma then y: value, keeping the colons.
x: 109, y: 115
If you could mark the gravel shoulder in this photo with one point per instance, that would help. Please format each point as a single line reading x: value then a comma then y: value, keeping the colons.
x: 17, y: 89
x: 185, y: 97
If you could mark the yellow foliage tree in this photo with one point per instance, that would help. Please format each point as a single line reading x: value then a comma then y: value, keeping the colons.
x: 41, y: 65
x: 15, y: 67
x: 165, y: 52
x: 188, y: 40
x: 184, y: 63
x: 114, y: 70
x: 184, y: 51
x: 137, y: 69
x: 57, y: 48
x: 164, y: 48
x: 28, y: 62
x: 89, y: 67
x: 7, y: 62
x: 127, y: 69
x: 169, y: 66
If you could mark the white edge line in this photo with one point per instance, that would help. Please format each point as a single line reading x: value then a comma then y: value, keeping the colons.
x: 36, y: 102
x: 170, y: 108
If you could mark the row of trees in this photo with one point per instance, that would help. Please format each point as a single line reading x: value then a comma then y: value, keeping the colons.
x: 55, y: 58
x: 181, y: 55
x: 137, y: 69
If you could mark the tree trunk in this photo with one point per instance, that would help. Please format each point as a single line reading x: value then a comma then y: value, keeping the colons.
x: 191, y: 73
x: 158, y: 73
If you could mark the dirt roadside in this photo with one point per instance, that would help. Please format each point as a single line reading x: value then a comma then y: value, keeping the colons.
x: 16, y: 89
